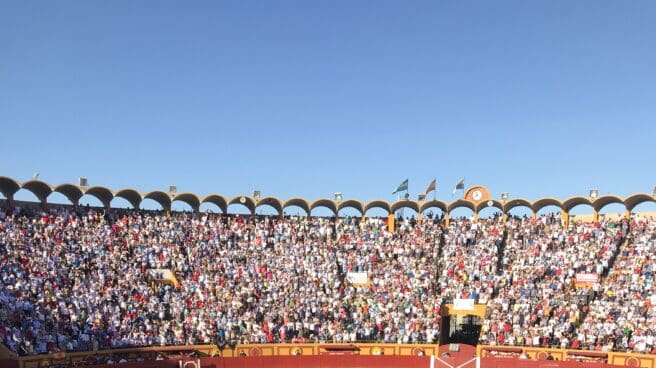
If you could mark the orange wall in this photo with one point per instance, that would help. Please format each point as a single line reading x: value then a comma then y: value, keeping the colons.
x: 566, y: 355
x: 358, y: 361
x: 314, y: 355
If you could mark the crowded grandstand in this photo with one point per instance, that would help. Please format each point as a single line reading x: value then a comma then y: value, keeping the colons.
x: 78, y: 278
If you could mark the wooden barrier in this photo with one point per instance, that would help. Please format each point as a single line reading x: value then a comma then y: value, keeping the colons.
x: 131, y: 354
x: 342, y: 355
x: 316, y: 361
x: 355, y: 361
x: 491, y: 354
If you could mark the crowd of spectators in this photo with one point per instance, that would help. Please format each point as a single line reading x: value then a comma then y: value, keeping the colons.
x: 540, y: 303
x: 469, y: 259
x: 80, y: 280
x: 623, y: 317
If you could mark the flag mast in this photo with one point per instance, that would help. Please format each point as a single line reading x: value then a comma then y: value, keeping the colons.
x: 435, y: 190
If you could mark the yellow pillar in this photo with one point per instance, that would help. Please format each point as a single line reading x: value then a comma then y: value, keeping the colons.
x: 565, y: 217
x: 475, y: 216
x: 534, y: 215
x: 627, y: 214
x: 390, y: 222
x: 595, y: 216
x: 447, y: 219
x: 419, y: 217
x: 504, y: 217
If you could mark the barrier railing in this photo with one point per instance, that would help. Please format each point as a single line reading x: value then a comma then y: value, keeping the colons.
x: 567, y: 355
x: 491, y: 356
x: 211, y: 350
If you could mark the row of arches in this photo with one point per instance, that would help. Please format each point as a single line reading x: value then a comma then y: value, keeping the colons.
x: 42, y: 190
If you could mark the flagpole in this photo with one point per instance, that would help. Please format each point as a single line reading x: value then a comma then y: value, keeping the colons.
x: 463, y: 187
x: 406, y: 197
x: 435, y: 190
x: 398, y: 198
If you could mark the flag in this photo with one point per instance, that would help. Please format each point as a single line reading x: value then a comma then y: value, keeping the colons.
x: 460, y: 185
x: 421, y: 197
x: 403, y: 186
x: 432, y: 186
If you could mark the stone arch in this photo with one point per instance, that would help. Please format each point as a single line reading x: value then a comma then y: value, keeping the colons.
x: 160, y: 197
x: 378, y: 203
x: 245, y: 201
x: 517, y: 202
x: 545, y: 202
x: 131, y: 196
x: 70, y: 191
x: 119, y: 203
x: 572, y: 202
x: 103, y: 194
x: 40, y: 189
x: 404, y: 203
x: 298, y: 202
x: 326, y: 203
x: 351, y: 203
x: 461, y: 203
x: 189, y: 198
x: 433, y: 204
x: 605, y: 200
x: 217, y: 200
x: 209, y: 207
x: 56, y: 198
x: 484, y: 204
x: 9, y: 186
x: 272, y: 202
x: 181, y: 207
x: 88, y: 200
x: 632, y: 201
x: 645, y: 208
x: 25, y: 195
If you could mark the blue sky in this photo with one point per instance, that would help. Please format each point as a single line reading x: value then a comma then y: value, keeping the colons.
x: 302, y: 98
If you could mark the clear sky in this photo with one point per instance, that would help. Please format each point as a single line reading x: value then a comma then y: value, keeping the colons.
x: 300, y: 98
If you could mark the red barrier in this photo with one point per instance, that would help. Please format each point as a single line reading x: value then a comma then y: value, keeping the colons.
x: 361, y: 356
x: 357, y: 361
x: 320, y: 361
x: 530, y: 363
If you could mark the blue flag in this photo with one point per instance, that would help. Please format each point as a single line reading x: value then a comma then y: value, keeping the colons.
x: 460, y: 185
x: 403, y: 186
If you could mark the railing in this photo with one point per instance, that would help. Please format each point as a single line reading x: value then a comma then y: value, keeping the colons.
x: 90, y: 358
x: 132, y: 355
x: 489, y: 354
x: 567, y: 355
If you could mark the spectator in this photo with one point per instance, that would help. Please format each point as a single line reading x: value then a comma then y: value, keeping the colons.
x: 82, y: 281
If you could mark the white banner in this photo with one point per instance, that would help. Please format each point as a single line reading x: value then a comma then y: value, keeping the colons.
x: 163, y: 275
x: 589, y: 278
x: 357, y: 278
x: 160, y: 273
x: 463, y: 304
x: 586, y: 280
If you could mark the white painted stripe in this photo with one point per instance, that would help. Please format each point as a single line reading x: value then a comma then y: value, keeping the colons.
x: 445, y: 363
x: 467, y: 362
